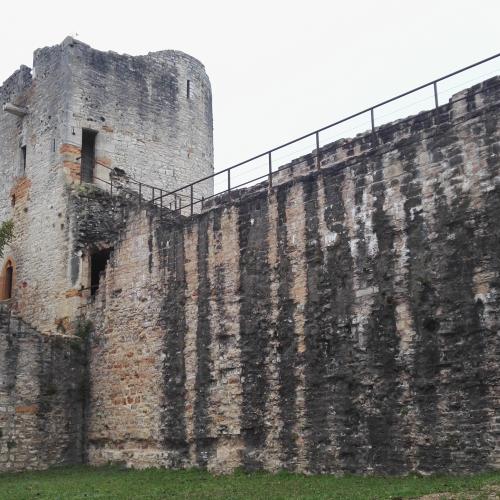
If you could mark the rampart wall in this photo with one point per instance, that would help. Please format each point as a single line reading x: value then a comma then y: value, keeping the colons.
x: 344, y: 320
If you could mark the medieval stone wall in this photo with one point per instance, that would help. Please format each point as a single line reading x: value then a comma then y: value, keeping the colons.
x: 343, y: 321
x: 43, y: 389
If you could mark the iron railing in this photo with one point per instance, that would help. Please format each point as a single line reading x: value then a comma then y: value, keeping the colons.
x: 185, y: 194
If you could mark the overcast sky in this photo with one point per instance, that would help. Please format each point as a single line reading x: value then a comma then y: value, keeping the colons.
x: 278, y: 69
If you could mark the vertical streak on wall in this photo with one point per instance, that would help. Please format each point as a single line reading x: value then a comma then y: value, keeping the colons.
x: 254, y: 323
x: 352, y: 441
x: 383, y: 343
x: 274, y: 423
x: 363, y: 246
x: 356, y: 449
x: 173, y: 318
x: 190, y: 352
x: 294, y: 451
x: 217, y: 328
x: 204, y: 376
x: 286, y: 333
x: 317, y: 333
x: 344, y: 413
x: 420, y: 173
x: 394, y: 206
x: 424, y: 305
x: 225, y: 312
x: 457, y: 324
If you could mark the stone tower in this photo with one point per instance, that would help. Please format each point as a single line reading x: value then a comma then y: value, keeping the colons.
x: 65, y: 125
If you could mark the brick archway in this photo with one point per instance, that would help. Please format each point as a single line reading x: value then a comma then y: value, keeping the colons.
x: 7, y: 279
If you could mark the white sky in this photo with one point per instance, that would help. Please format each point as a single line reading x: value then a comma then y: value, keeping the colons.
x: 279, y: 69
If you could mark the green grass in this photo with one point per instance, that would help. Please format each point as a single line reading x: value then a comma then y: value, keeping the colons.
x: 112, y: 482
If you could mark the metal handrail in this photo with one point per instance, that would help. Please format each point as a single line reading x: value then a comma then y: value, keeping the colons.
x: 292, y: 164
x: 176, y: 193
x: 350, y: 117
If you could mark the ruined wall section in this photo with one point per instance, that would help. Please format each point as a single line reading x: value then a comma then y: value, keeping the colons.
x: 15, y: 91
x: 343, y: 321
x: 149, y: 123
x: 42, y: 393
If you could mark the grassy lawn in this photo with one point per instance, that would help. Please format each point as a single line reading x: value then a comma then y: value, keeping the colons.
x: 112, y: 482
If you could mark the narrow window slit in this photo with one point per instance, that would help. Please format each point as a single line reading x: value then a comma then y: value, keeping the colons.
x: 188, y: 89
x: 23, y: 158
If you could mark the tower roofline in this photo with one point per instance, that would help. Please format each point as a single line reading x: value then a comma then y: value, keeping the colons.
x: 70, y: 41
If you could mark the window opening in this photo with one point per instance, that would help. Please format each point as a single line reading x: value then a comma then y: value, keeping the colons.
x: 98, y: 261
x: 88, y: 155
x: 23, y: 158
x: 9, y: 280
x: 188, y: 89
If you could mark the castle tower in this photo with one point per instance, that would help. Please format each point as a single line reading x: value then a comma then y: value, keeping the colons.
x: 77, y: 116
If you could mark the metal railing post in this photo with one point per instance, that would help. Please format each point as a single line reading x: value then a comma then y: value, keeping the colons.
x: 161, y: 199
x: 318, y: 159
x: 110, y: 185
x: 372, y: 118
x: 270, y: 162
x: 436, y: 100
x: 140, y: 194
x: 192, y: 208
x: 153, y: 194
x: 229, y: 181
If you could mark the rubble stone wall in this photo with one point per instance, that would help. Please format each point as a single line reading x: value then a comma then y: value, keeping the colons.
x: 43, y: 390
x: 344, y: 320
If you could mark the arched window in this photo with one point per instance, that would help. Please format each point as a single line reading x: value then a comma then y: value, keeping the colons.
x: 7, y: 281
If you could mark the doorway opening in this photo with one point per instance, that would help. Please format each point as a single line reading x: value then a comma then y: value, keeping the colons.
x: 98, y: 261
x: 88, y: 155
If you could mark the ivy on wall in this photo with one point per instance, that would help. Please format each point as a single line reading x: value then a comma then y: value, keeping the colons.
x: 6, y: 234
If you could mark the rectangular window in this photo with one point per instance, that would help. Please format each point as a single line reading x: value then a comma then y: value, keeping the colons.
x: 88, y: 155
x: 188, y: 89
x: 23, y: 158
